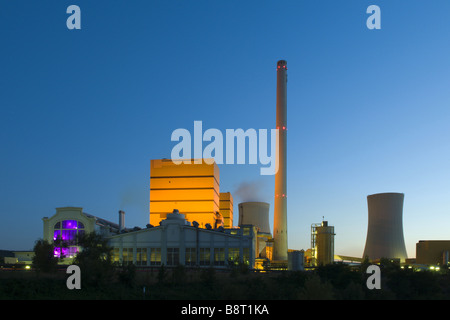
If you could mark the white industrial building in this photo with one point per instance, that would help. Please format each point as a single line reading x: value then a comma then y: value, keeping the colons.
x: 174, y: 242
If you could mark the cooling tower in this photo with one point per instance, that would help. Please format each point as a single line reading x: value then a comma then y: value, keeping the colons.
x: 385, y: 227
x: 280, y: 246
x: 255, y: 213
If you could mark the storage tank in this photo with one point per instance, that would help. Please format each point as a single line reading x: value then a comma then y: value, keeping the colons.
x: 323, y: 244
x: 296, y: 260
x: 385, y: 227
x: 255, y: 213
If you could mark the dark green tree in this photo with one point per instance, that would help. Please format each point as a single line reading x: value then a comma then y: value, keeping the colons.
x: 44, y: 259
x: 94, y: 260
x: 179, y: 275
x: 127, y: 275
x: 208, y: 277
x: 162, y: 274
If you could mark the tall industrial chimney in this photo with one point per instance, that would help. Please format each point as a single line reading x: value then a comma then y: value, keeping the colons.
x: 280, y: 247
x: 121, y: 220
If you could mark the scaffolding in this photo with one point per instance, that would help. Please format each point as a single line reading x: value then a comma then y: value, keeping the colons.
x: 313, y: 243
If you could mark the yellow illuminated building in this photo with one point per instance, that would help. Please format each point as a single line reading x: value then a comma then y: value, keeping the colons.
x: 226, y: 209
x: 190, y: 188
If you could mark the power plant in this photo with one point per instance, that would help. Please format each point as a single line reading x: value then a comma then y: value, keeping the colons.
x: 191, y: 221
x: 385, y: 227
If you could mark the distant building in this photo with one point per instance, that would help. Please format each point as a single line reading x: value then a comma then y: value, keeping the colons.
x: 24, y: 257
x: 7, y: 257
x: 433, y: 252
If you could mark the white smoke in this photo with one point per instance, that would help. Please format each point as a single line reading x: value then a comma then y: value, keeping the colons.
x: 252, y: 191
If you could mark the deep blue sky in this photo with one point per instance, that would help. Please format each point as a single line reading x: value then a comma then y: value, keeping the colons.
x: 84, y: 111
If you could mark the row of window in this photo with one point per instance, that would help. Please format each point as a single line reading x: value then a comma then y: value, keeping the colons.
x: 173, y: 256
x: 69, y: 224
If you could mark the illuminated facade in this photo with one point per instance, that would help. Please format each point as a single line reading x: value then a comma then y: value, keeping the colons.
x: 226, y: 209
x: 68, y: 223
x: 190, y: 188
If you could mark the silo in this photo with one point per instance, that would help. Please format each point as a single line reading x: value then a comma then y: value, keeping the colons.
x: 296, y: 260
x: 385, y: 227
x: 323, y: 244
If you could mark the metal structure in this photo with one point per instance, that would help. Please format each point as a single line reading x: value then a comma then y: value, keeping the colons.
x: 385, y: 227
x: 322, y: 244
x: 280, y: 248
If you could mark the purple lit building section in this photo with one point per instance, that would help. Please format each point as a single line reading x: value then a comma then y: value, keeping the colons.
x: 67, y: 231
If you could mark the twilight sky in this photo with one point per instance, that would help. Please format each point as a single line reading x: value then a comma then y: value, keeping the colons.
x: 84, y: 111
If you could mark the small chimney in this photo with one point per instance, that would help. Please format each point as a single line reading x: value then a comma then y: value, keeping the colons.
x: 121, y: 220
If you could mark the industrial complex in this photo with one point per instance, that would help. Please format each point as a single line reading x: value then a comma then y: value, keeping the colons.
x: 192, y: 222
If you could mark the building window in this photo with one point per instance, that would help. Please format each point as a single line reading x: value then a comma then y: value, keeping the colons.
x: 204, y: 257
x: 173, y: 256
x: 65, y: 235
x: 246, y: 255
x: 141, y: 256
x: 233, y: 255
x: 219, y: 256
x: 127, y: 255
x: 190, y: 257
x: 155, y: 256
x: 116, y: 255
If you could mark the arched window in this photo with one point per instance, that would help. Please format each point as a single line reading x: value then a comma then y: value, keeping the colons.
x: 65, y: 235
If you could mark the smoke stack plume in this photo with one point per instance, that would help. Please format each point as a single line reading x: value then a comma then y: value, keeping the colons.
x: 248, y: 191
